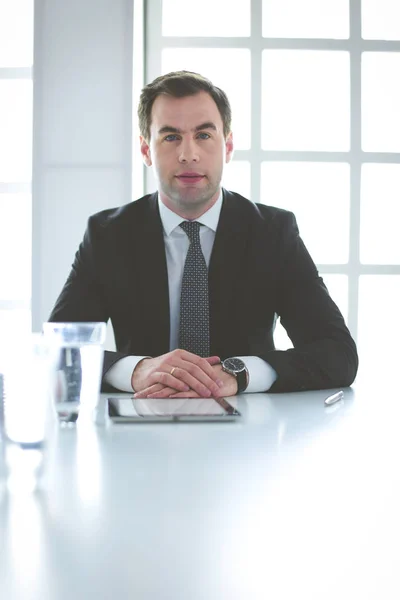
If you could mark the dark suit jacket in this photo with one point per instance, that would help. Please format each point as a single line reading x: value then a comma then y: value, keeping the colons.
x: 259, y: 269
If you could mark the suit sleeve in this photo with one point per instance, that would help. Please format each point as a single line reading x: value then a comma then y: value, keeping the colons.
x: 324, y: 354
x: 82, y: 297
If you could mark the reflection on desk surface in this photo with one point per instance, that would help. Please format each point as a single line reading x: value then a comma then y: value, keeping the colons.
x: 294, y: 501
x: 128, y: 406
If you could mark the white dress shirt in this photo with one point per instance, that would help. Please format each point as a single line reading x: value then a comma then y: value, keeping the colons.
x: 261, y: 374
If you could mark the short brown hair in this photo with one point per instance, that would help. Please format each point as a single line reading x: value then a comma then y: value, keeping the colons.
x: 179, y: 84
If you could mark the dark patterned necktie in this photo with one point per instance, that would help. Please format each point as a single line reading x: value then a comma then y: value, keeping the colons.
x: 194, y: 334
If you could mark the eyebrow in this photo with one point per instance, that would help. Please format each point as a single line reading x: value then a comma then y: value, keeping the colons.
x: 170, y: 129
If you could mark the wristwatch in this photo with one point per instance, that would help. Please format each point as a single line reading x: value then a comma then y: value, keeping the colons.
x: 236, y: 367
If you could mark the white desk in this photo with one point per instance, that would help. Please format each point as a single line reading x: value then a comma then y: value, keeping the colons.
x: 297, y: 501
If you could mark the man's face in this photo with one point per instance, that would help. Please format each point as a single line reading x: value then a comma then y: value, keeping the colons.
x: 187, y: 151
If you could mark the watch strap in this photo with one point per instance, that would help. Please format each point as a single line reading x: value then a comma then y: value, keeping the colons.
x: 242, y: 379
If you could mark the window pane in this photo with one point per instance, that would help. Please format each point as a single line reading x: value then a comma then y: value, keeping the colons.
x: 16, y: 33
x: 281, y: 338
x: 237, y: 177
x: 15, y: 246
x: 14, y: 324
x: 380, y: 19
x: 380, y: 214
x: 379, y: 325
x: 212, y: 19
x: 225, y: 67
x: 16, y: 130
x: 306, y: 100
x: 380, y: 102
x: 319, y: 196
x: 306, y: 19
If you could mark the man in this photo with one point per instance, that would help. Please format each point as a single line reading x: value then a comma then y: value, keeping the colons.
x: 182, y: 297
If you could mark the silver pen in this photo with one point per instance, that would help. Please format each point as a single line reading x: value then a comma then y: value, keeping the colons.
x: 334, y: 398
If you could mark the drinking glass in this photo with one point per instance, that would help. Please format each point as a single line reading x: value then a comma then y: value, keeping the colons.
x: 78, y: 374
x: 27, y: 373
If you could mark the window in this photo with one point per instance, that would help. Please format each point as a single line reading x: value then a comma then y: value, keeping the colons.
x: 16, y: 57
x: 315, y: 96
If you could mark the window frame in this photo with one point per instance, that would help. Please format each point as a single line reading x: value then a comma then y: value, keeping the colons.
x: 15, y: 187
x: 355, y: 45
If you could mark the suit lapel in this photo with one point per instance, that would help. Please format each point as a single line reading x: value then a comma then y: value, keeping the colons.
x: 225, y: 274
x: 151, y: 268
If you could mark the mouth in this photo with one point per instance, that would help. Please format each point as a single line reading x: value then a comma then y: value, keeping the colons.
x: 190, y: 177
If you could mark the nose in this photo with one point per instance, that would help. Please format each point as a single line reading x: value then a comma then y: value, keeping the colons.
x: 188, y: 152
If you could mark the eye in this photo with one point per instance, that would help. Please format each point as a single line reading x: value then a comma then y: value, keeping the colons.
x: 171, y: 137
x: 204, y: 136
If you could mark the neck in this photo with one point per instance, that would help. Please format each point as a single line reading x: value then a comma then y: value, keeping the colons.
x: 189, y: 212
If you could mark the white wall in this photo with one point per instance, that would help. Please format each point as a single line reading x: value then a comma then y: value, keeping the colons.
x: 82, y: 130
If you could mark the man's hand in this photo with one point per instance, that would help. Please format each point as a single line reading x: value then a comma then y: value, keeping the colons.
x: 176, y: 371
x: 228, y: 388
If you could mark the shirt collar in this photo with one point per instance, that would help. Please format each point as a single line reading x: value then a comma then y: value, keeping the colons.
x: 171, y: 220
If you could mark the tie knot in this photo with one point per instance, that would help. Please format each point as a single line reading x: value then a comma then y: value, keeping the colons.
x: 192, y: 229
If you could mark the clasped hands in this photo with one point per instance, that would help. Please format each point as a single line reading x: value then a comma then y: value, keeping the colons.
x: 182, y: 374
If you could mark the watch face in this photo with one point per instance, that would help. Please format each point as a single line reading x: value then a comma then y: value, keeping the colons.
x: 234, y: 364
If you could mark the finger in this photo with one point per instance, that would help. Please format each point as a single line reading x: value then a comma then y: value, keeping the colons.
x: 167, y: 392
x: 213, y: 360
x: 149, y: 390
x: 181, y: 380
x: 190, y: 394
x: 204, y: 373
x: 205, y: 364
x: 167, y: 380
x: 164, y: 392
x: 191, y: 369
x: 182, y: 375
x: 185, y: 360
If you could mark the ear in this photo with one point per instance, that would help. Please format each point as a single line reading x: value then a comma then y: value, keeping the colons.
x: 145, y: 150
x: 229, y: 148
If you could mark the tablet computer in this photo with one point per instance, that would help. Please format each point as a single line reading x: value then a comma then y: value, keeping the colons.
x: 127, y: 409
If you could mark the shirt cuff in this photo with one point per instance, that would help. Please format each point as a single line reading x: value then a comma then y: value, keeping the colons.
x: 261, y: 374
x: 120, y: 374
